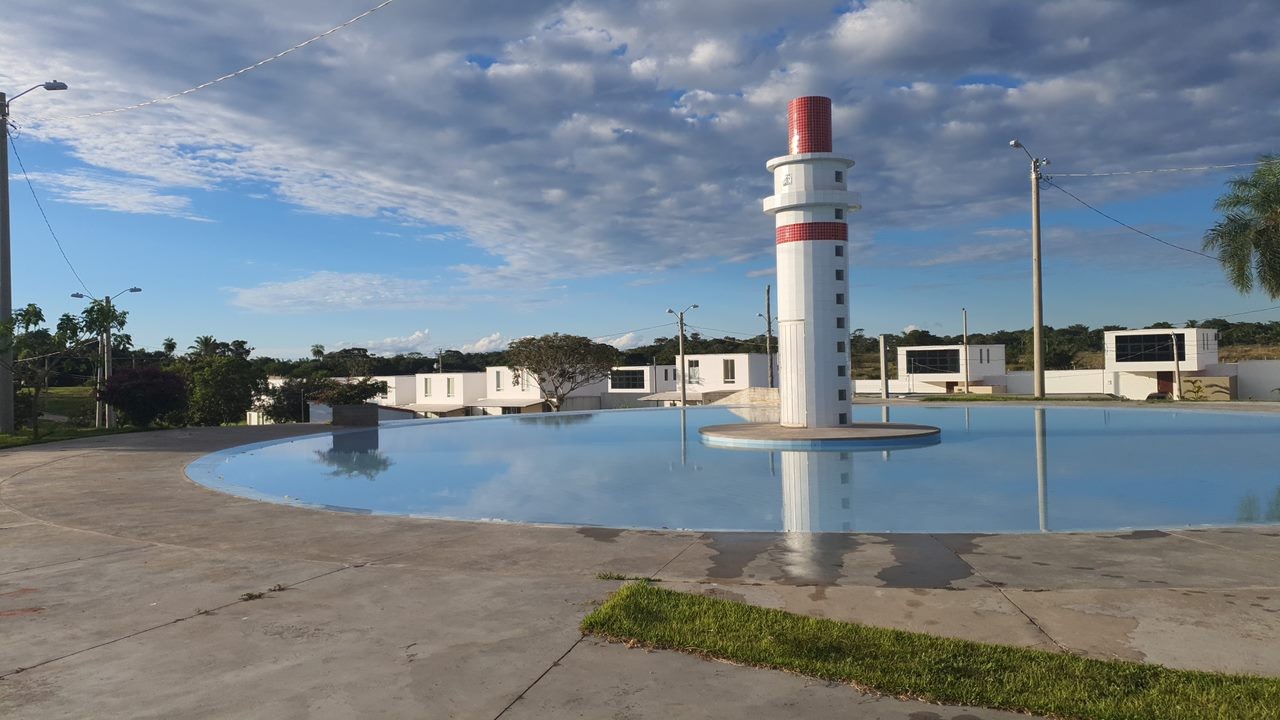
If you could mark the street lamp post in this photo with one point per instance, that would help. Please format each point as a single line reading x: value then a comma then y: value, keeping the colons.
x: 767, y: 315
x: 684, y: 363
x: 1037, y: 307
x: 104, y: 341
x: 6, y: 275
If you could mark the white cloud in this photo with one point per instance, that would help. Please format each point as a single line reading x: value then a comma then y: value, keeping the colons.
x: 418, y: 341
x: 336, y: 292
x: 762, y: 272
x: 600, y: 128
x: 488, y: 343
x: 104, y: 191
x: 626, y: 341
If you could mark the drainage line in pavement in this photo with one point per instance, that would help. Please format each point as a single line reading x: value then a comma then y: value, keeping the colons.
x: 539, y: 678
x: 1004, y: 595
x: 161, y: 625
x: 79, y: 559
x: 654, y: 575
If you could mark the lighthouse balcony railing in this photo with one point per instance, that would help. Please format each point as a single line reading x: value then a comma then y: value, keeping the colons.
x: 802, y: 198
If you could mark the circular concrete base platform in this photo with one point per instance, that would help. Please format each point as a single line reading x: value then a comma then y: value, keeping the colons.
x: 856, y: 436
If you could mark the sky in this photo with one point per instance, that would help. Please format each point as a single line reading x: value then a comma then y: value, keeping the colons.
x: 459, y: 174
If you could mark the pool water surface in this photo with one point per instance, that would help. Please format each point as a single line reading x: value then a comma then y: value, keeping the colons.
x: 1089, y: 469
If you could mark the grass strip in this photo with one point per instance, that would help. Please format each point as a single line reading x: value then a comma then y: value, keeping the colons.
x: 924, y: 667
x: 55, y: 432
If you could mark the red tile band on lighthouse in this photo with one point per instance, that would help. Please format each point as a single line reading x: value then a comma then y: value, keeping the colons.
x: 810, y: 204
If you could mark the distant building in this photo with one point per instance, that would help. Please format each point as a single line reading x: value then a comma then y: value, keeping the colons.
x: 941, y: 368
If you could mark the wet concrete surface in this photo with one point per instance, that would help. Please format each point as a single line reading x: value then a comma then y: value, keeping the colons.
x: 121, y: 586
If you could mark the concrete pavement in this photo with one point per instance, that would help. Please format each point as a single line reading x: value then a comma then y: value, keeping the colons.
x: 121, y: 587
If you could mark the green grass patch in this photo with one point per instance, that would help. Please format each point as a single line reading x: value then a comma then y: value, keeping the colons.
x: 67, y: 401
x: 53, y: 432
x: 914, y: 665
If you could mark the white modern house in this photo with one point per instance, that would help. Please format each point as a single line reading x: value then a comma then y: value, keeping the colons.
x: 1141, y: 362
x: 713, y: 376
x: 630, y: 385
x: 448, y: 394
x: 401, y: 390
x: 942, y: 368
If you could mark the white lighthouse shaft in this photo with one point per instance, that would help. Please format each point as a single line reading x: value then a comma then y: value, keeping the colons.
x: 810, y: 204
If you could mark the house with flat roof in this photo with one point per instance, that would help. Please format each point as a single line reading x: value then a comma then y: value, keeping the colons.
x: 942, y: 368
x: 448, y: 394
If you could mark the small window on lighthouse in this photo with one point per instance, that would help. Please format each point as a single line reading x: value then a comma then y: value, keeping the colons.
x: 839, y: 322
x: 844, y: 418
x: 839, y: 176
x: 842, y: 395
x: 839, y: 251
x: 840, y: 370
x: 839, y: 274
x: 839, y: 298
x: 839, y: 213
x: 839, y: 346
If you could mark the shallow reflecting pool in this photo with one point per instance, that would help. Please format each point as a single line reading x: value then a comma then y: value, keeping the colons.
x: 996, y: 469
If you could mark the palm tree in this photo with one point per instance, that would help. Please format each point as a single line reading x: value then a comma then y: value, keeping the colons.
x: 169, y: 346
x: 1247, y: 239
x: 317, y: 351
x: 205, y: 346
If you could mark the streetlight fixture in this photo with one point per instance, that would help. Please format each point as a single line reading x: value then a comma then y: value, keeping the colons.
x: 103, y: 410
x: 684, y: 363
x: 6, y: 284
x: 1037, y: 306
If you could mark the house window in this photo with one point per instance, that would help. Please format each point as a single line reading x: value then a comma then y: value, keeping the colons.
x: 925, y: 362
x: 1149, y: 348
x: 839, y: 298
x: 626, y: 380
x: 448, y: 387
x: 839, y: 177
x: 839, y: 213
x: 839, y: 322
x: 841, y: 370
x: 839, y: 274
x: 839, y: 346
x: 839, y: 251
x: 694, y: 372
x: 842, y: 395
x: 497, y: 379
x: 729, y: 370
x: 426, y: 386
x: 844, y: 418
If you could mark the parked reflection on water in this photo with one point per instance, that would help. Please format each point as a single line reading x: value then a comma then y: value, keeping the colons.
x: 997, y: 469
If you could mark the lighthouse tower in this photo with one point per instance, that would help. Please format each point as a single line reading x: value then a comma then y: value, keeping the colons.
x: 810, y: 204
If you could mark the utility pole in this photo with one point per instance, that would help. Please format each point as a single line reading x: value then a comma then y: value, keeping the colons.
x: 964, y: 319
x: 684, y: 362
x: 1037, y: 299
x: 6, y: 262
x: 768, y: 328
x: 106, y: 364
x: 1177, y: 367
x: 884, y: 371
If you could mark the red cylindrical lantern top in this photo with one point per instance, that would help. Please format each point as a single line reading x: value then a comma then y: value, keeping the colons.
x: 809, y: 124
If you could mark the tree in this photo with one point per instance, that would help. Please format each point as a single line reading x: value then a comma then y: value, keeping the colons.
x: 337, y: 392
x: 169, y: 346
x: 145, y: 394
x: 287, y: 402
x: 317, y: 351
x: 222, y: 389
x: 1247, y: 239
x: 560, y: 363
x: 204, y: 346
x: 37, y: 351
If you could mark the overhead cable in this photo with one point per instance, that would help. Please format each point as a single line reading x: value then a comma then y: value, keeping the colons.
x: 56, y: 241
x: 1127, y: 225
x: 1167, y: 170
x: 237, y: 73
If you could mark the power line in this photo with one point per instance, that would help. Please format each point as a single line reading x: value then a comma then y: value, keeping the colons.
x: 32, y: 187
x: 1124, y: 224
x: 624, y: 332
x: 1167, y: 170
x: 237, y: 73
